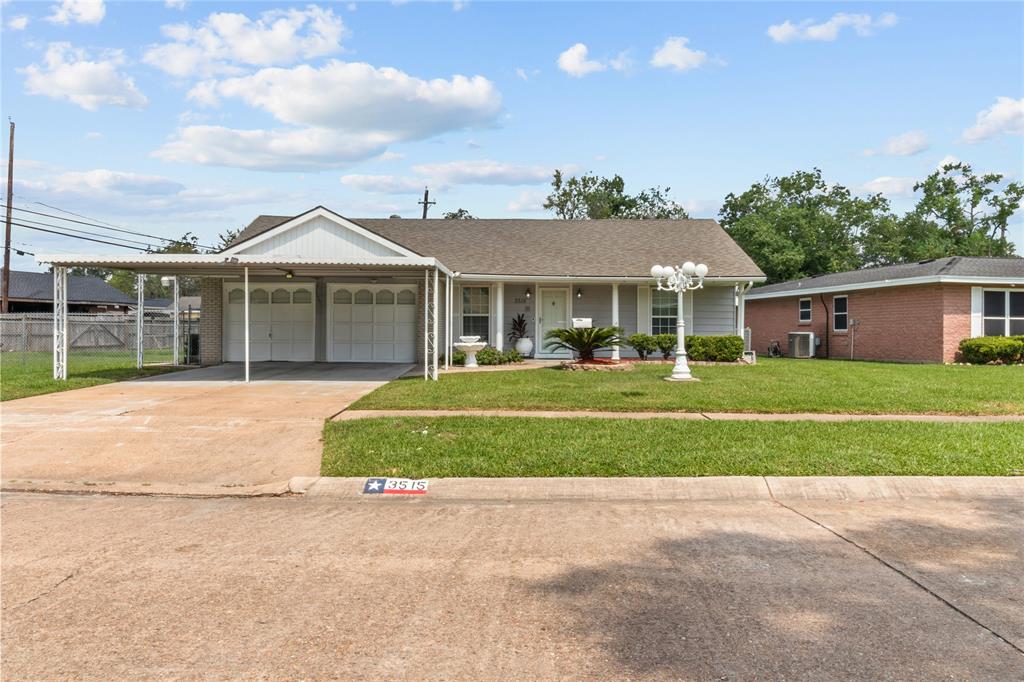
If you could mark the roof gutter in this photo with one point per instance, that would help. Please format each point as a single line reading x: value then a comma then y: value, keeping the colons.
x: 905, y: 281
x: 481, y: 277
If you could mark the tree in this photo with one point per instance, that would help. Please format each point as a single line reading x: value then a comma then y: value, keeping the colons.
x: 226, y: 237
x: 592, y: 197
x: 799, y: 225
x: 152, y: 288
x: 460, y: 214
x: 971, y: 216
x: 102, y: 273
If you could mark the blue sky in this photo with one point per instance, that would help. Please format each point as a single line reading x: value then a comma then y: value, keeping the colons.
x: 166, y: 117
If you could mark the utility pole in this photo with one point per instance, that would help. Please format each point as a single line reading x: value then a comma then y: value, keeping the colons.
x: 7, y: 229
x: 426, y: 203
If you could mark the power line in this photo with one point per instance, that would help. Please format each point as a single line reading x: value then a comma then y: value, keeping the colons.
x: 145, y: 245
x: 75, y: 236
x: 102, y: 227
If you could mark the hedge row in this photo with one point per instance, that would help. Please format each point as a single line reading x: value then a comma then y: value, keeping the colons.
x: 701, y: 348
x: 999, y: 350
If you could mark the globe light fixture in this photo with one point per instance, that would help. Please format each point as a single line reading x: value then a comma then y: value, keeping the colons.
x: 687, y: 277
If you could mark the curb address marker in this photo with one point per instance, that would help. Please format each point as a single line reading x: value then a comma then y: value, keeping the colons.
x: 395, y: 486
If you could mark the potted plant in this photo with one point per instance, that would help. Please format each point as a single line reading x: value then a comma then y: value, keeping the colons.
x: 523, y: 343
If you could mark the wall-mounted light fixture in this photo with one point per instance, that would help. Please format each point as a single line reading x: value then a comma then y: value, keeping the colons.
x: 528, y: 293
x: 288, y: 274
x: 579, y: 293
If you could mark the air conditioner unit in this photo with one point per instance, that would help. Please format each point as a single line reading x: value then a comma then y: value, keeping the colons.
x: 801, y: 344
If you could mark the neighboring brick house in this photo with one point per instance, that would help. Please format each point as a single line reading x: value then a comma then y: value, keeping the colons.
x: 32, y: 292
x: 912, y: 312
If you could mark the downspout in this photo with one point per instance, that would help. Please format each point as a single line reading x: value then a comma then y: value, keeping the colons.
x: 827, y: 321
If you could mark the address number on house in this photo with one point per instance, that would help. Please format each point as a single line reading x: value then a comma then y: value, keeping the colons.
x: 395, y: 486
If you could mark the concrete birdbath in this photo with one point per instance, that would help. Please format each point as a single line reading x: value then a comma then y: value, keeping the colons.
x: 470, y: 345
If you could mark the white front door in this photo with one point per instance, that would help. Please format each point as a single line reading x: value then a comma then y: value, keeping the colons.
x: 281, y: 322
x: 552, y: 313
x: 371, y: 323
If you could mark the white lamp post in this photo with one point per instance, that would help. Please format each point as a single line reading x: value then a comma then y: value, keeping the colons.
x: 681, y: 279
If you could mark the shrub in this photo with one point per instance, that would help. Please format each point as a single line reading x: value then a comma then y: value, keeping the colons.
x: 511, y: 356
x: 458, y: 357
x: 643, y: 344
x: 992, y: 349
x: 583, y: 342
x: 488, y: 355
x: 714, y: 348
x: 666, y: 344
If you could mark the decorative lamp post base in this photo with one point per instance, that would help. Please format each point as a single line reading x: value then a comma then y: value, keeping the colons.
x: 681, y: 372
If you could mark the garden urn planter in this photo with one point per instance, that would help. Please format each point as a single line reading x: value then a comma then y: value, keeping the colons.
x: 524, y: 346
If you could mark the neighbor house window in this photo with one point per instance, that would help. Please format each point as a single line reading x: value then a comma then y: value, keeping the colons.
x: 840, y: 319
x: 664, y: 308
x: 805, y: 310
x: 1003, y: 313
x: 476, y: 308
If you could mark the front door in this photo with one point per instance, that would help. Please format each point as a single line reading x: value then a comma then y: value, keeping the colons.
x: 552, y: 313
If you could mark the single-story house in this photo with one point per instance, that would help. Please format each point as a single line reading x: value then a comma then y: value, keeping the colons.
x: 32, y: 292
x: 911, y: 312
x: 166, y: 305
x: 322, y: 287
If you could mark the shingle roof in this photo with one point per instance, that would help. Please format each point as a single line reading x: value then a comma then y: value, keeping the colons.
x: 38, y: 286
x: 595, y: 248
x: 952, y: 266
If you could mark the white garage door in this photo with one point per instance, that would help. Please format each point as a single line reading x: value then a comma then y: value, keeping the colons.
x: 281, y: 322
x: 371, y: 323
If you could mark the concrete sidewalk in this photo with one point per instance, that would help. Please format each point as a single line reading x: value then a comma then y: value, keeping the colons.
x: 699, y: 416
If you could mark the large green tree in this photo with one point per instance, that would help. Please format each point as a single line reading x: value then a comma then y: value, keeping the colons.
x: 593, y: 197
x: 799, y: 225
x: 152, y: 288
x: 459, y: 214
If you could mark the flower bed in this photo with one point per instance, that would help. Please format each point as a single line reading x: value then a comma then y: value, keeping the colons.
x: 596, y: 365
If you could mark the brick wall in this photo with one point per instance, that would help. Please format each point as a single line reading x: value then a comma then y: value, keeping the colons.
x: 211, y: 321
x: 904, y: 324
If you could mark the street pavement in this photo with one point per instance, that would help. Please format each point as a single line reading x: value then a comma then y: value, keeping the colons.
x: 102, y: 587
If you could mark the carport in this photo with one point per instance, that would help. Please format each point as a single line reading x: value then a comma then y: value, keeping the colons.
x: 391, y: 280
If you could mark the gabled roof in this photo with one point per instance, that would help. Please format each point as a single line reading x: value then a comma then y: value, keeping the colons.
x: 583, y: 248
x: 952, y: 269
x: 38, y: 286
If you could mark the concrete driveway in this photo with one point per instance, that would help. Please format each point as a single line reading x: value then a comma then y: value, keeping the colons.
x: 315, y: 588
x: 202, y: 428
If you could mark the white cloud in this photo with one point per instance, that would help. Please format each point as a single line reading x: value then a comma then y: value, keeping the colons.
x: 344, y: 112
x: 521, y: 72
x: 78, y: 12
x: 18, y: 23
x: 68, y: 73
x: 890, y: 186
x: 945, y: 161
x: 862, y: 24
x: 473, y: 144
x: 94, y: 136
x: 674, y: 54
x: 622, y: 62
x: 448, y: 174
x: 391, y: 156
x: 907, y: 144
x: 528, y: 201
x: 575, y: 63
x: 225, y: 41
x: 282, y: 150
x: 459, y: 5
x: 115, y: 182
x: 483, y: 172
x: 1006, y: 117
x: 175, y: 4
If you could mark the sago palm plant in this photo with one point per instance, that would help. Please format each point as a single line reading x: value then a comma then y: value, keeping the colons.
x: 583, y: 342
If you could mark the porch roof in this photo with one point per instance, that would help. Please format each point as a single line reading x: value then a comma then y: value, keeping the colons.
x: 219, y: 265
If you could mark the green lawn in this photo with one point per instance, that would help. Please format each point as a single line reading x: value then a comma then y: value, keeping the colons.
x: 781, y: 385
x: 509, y: 446
x: 28, y: 374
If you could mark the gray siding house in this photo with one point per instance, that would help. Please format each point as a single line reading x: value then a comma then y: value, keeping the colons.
x: 322, y: 287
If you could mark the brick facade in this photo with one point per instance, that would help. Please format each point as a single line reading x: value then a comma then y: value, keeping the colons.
x: 903, y: 324
x: 211, y: 322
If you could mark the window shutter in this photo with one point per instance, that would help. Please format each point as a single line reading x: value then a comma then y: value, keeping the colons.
x: 643, y: 309
x: 977, y: 310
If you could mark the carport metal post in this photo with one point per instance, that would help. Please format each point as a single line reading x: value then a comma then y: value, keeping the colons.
x: 177, y: 322
x: 140, y: 342
x: 435, y: 323
x: 247, y: 324
x: 447, y: 321
x: 60, y: 323
x: 426, y: 320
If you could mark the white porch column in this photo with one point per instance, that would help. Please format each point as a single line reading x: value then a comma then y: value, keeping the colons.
x: 60, y: 323
x: 246, y: 308
x: 741, y: 309
x: 447, y: 321
x: 426, y: 320
x: 140, y: 314
x: 615, y: 317
x: 435, y: 321
x: 177, y: 323
x: 499, y: 315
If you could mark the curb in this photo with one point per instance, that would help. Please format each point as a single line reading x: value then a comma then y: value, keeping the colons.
x: 145, y: 489
x: 349, y: 415
x: 671, y: 489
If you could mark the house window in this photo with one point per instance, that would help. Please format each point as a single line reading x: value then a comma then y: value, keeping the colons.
x: 664, y: 309
x: 476, y: 308
x: 805, y: 310
x: 1003, y: 314
x: 840, y: 319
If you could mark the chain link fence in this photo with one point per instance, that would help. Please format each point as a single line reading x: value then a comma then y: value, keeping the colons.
x: 96, y: 341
